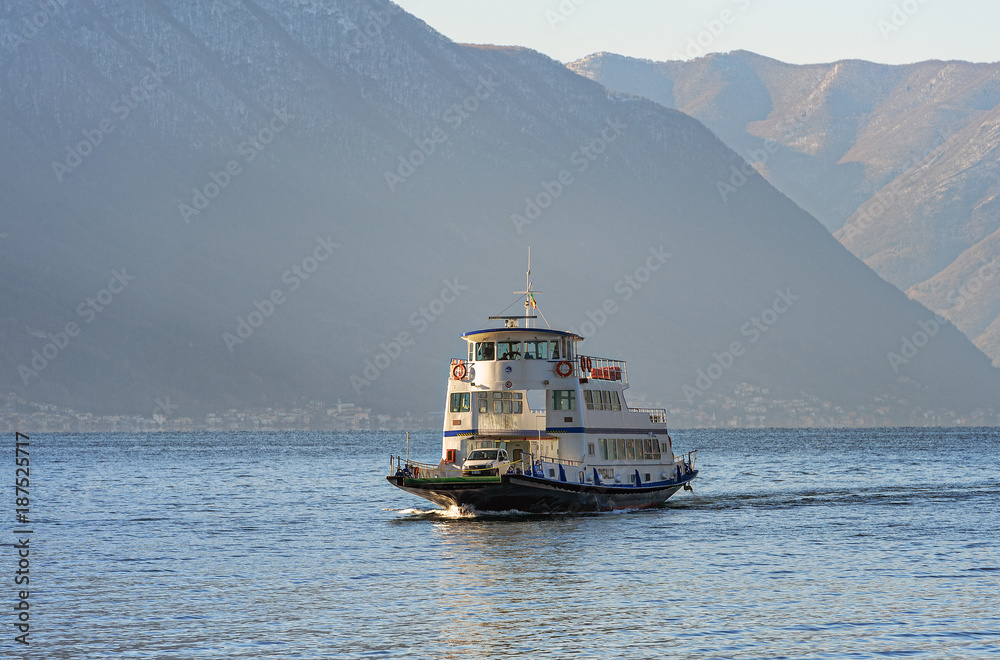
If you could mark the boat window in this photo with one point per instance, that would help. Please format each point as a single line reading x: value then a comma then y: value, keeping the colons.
x: 460, y: 401
x: 604, y: 448
x: 555, y: 349
x: 472, y: 351
x: 616, y: 403
x: 509, y: 350
x: 648, y: 446
x: 656, y: 449
x: 621, y: 448
x: 590, y: 448
x: 588, y: 397
x: 507, y: 403
x: 485, y: 350
x: 605, y: 400
x: 482, y: 401
x: 536, y: 350
x: 629, y: 449
x: 563, y: 400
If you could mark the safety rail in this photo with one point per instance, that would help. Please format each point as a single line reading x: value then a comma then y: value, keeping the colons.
x: 560, y: 461
x: 401, y: 464
x: 596, y: 368
x: 656, y: 415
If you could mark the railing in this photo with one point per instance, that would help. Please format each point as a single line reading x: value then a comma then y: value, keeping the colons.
x: 656, y: 415
x: 595, y: 368
x: 560, y: 461
x: 413, y: 468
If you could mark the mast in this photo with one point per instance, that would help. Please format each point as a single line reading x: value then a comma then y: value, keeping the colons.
x: 529, y: 295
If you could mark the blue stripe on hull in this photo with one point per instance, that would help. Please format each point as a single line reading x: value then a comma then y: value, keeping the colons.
x: 515, y: 433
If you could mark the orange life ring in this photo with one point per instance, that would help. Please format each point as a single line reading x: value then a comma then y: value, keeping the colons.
x: 564, y: 368
x: 459, y: 371
x: 584, y: 363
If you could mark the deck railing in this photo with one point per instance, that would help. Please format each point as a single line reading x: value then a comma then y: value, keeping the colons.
x: 656, y: 415
x: 597, y: 368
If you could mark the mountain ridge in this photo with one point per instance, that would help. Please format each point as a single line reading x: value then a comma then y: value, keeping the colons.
x: 359, y: 107
x: 892, y: 158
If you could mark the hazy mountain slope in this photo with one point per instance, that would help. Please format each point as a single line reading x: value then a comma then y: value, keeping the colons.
x: 899, y: 161
x: 967, y: 293
x: 312, y: 202
x: 934, y: 212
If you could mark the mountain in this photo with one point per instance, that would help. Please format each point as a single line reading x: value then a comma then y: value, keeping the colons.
x: 265, y: 203
x: 898, y: 160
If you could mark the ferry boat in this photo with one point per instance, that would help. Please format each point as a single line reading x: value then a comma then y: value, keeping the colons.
x: 533, y: 425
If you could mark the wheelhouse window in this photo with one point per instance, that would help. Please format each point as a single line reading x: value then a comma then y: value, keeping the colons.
x: 554, y: 346
x: 485, y: 351
x: 507, y: 403
x: 509, y: 350
x: 461, y: 401
x: 588, y: 398
x: 563, y: 400
x: 536, y: 350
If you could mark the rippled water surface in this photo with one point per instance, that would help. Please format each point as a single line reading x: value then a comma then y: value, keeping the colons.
x: 794, y: 544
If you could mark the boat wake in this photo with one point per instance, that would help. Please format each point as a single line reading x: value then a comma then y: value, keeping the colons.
x: 470, y: 513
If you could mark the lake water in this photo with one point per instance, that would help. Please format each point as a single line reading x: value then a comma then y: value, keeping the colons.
x: 794, y: 544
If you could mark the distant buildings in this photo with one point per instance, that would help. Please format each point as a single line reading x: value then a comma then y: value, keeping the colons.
x: 18, y: 414
x: 745, y: 406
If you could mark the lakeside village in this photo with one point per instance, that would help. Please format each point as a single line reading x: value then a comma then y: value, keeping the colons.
x: 745, y: 406
x: 18, y: 414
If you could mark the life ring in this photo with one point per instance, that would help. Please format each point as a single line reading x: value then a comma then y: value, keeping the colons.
x: 459, y: 371
x: 584, y: 363
x: 564, y: 368
x: 416, y: 470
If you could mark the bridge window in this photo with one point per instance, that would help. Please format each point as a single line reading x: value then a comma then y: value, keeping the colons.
x: 536, y: 350
x: 555, y: 349
x: 509, y: 350
x: 485, y: 351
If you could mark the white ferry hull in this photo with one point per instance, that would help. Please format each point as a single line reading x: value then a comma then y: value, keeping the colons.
x: 527, y: 494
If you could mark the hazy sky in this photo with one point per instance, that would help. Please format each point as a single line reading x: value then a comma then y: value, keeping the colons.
x: 799, y: 31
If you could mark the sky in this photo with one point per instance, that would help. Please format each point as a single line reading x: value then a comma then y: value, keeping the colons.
x: 796, y: 31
